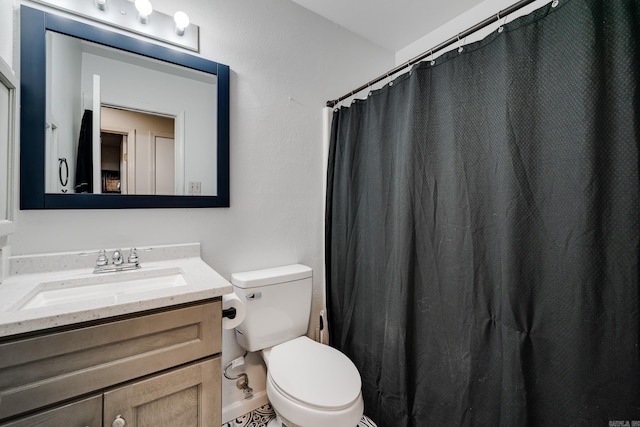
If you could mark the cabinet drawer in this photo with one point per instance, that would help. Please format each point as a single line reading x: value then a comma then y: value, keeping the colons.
x: 87, y: 412
x: 45, y: 369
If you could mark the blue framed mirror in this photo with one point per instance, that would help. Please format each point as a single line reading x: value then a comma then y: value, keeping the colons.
x: 184, y: 164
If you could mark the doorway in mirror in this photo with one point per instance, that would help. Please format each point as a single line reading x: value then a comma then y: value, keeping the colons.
x: 138, y: 152
x: 113, y: 157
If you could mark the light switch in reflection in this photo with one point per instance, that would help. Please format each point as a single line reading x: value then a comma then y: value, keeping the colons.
x: 194, y: 188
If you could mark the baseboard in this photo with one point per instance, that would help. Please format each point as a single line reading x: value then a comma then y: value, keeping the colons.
x: 238, y: 409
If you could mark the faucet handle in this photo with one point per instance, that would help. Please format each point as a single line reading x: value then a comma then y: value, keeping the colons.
x: 117, y: 257
x: 133, y: 256
x: 102, y: 259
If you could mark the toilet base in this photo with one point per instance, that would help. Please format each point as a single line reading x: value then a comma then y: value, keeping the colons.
x: 274, y: 423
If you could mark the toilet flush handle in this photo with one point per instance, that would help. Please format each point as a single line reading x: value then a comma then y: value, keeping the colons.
x: 255, y: 295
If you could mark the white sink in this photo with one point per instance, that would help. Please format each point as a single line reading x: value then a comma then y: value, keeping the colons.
x: 109, y: 287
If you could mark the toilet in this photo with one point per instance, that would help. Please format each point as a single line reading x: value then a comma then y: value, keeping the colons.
x: 308, y: 384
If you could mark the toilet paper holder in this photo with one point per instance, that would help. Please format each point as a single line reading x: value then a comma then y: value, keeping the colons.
x: 229, y: 313
x: 233, y: 311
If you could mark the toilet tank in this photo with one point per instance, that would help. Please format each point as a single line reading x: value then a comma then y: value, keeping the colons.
x: 278, y: 305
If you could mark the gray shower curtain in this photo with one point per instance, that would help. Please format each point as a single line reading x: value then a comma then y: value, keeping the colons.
x: 482, y: 228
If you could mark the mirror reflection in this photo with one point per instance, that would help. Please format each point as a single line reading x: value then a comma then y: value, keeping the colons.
x: 5, y: 127
x: 124, y: 133
x: 122, y: 123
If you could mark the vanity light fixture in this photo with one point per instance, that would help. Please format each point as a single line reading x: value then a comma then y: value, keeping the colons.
x: 144, y: 9
x: 137, y: 16
x: 182, y: 22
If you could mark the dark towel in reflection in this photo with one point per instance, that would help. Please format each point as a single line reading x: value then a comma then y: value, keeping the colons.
x: 84, y: 161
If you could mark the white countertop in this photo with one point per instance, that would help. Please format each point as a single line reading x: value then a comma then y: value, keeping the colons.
x: 202, y: 282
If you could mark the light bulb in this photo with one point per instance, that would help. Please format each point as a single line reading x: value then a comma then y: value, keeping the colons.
x: 182, y: 22
x: 144, y: 10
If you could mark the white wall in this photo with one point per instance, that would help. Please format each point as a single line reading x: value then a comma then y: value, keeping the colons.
x: 7, y: 40
x: 285, y: 63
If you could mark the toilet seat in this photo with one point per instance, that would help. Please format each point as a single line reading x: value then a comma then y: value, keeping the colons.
x: 314, y: 374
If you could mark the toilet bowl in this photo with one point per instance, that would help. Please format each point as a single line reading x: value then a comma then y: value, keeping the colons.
x: 308, y: 384
x: 313, y: 385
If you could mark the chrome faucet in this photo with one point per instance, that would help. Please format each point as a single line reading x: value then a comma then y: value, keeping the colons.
x: 117, y: 261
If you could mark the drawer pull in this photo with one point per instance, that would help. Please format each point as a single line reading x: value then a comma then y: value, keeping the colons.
x: 118, y: 422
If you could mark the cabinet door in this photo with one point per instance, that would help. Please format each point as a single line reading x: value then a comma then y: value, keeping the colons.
x: 188, y: 397
x: 85, y: 413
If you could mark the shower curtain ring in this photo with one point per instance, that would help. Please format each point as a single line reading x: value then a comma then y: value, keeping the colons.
x: 433, y: 61
x: 460, y: 48
x: 501, y: 27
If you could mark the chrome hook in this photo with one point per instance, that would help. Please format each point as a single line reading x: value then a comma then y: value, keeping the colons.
x: 460, y: 48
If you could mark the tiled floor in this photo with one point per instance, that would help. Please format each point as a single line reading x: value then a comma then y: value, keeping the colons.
x: 261, y: 416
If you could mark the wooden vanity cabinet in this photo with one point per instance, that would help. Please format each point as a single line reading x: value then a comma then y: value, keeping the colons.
x: 157, y: 369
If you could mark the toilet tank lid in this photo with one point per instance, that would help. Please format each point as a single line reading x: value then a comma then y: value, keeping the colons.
x: 271, y: 276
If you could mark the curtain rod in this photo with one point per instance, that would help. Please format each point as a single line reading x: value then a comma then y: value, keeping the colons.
x: 486, y: 22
